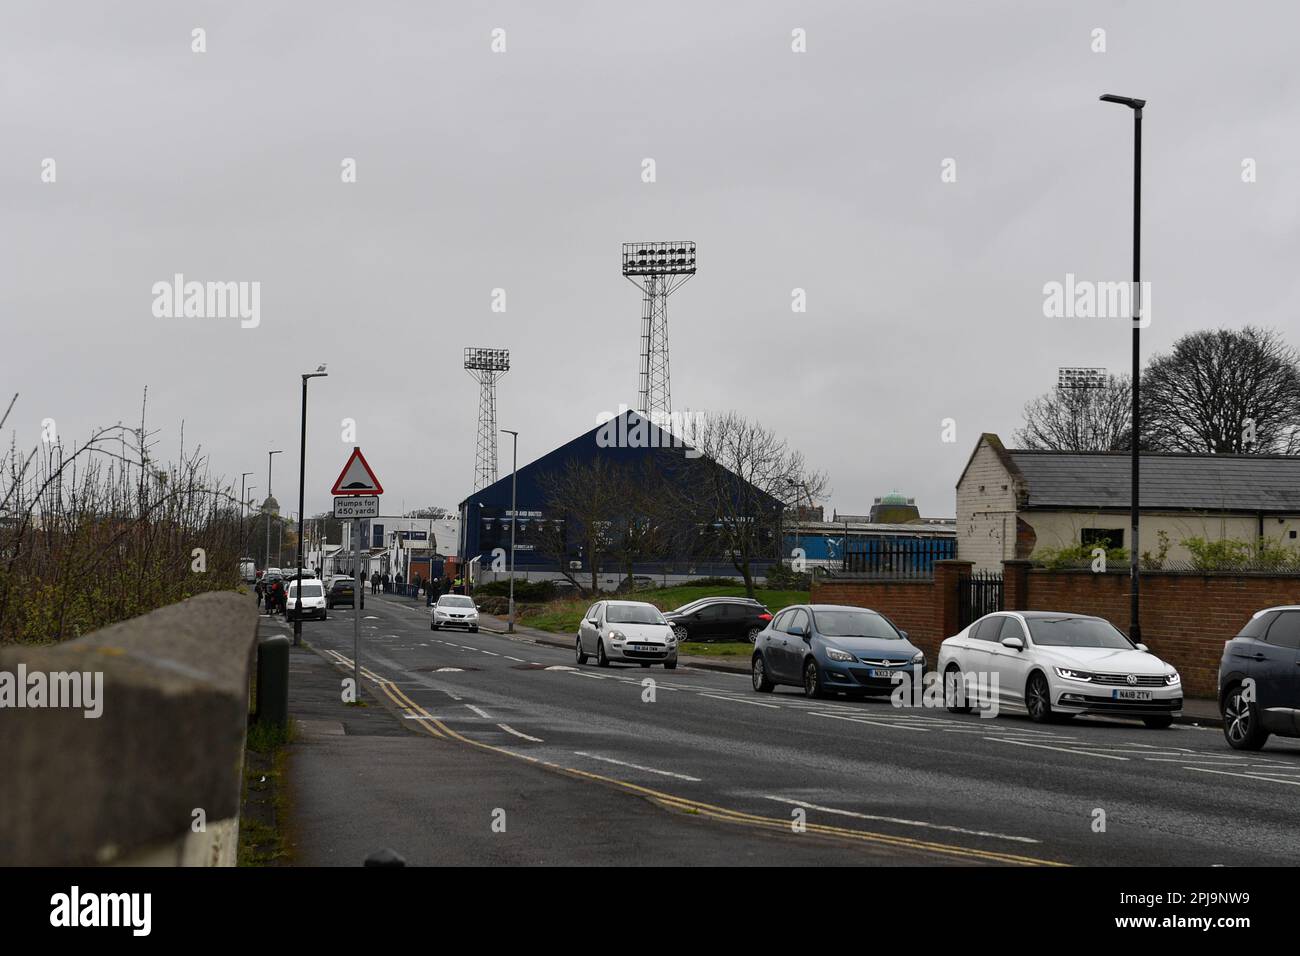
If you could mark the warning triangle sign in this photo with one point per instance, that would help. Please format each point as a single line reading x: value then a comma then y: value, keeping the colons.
x: 357, y: 478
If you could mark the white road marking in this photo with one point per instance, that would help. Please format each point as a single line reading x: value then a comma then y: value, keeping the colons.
x: 510, y: 730
x: 491, y: 653
x: 636, y: 766
x: 903, y: 821
x: 519, y: 659
x: 479, y: 711
x: 561, y: 667
x: 581, y: 674
x: 1064, y: 750
x: 741, y: 700
x: 863, y: 720
x: 449, y: 670
x: 1248, y: 776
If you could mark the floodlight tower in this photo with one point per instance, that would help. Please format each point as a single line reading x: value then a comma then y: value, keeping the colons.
x: 486, y: 366
x: 1070, y: 377
x: 658, y: 269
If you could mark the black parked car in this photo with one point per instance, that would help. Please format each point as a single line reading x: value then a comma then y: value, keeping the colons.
x: 342, y: 591
x: 719, y: 619
x: 1259, y: 679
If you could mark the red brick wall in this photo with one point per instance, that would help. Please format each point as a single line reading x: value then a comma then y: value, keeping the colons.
x: 1185, y: 617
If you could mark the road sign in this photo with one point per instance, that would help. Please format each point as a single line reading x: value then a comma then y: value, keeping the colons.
x: 357, y: 478
x: 365, y: 506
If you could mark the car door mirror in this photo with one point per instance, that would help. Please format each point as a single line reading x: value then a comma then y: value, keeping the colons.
x: 1015, y: 643
x: 904, y: 633
x: 1142, y: 647
x: 797, y: 630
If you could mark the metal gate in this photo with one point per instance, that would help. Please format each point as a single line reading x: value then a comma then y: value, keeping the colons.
x: 978, y: 593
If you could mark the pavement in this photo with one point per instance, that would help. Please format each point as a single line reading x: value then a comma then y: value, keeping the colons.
x: 628, y: 765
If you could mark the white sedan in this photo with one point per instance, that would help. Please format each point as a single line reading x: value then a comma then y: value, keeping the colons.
x: 1051, y: 664
x: 454, y: 610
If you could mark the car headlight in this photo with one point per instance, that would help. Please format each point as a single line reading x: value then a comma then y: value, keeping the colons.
x: 918, y: 657
x: 616, y: 635
x: 836, y: 654
x: 1070, y: 673
x: 1172, y: 678
x: 671, y: 636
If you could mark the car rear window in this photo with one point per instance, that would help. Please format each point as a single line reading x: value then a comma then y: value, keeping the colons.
x: 308, y: 589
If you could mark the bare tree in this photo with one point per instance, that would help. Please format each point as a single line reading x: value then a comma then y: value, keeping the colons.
x: 1224, y: 392
x: 1080, y: 419
x: 742, y: 481
x: 581, y: 498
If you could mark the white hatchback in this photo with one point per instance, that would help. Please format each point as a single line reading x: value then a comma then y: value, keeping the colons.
x: 1050, y: 664
x: 631, y: 631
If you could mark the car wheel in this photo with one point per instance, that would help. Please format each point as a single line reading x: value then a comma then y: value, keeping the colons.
x: 474, y: 629
x: 812, y: 679
x: 753, y: 633
x: 1241, y: 725
x: 680, y: 633
x: 670, y: 665
x: 758, y: 671
x: 1158, y: 723
x: 951, y: 681
x: 582, y: 656
x: 1038, y: 699
x: 433, y: 626
x: 601, y: 659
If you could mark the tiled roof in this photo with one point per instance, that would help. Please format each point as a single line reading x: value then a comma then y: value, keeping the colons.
x: 1250, y: 483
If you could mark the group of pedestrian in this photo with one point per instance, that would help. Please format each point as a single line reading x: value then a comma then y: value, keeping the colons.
x: 272, y: 595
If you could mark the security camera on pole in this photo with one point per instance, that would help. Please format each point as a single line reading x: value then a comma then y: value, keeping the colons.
x: 356, y: 492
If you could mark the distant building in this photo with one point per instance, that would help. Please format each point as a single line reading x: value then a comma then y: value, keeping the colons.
x: 1014, y: 503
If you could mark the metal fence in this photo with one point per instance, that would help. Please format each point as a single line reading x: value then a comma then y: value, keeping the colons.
x: 896, y: 557
x: 978, y: 593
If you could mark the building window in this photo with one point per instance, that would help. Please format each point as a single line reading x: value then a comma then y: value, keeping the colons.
x: 1102, y: 537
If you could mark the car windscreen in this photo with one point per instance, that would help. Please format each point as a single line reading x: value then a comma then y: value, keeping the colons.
x: 308, y: 589
x: 342, y: 583
x: 633, y: 614
x: 454, y: 600
x: 1077, y: 632
x: 854, y: 624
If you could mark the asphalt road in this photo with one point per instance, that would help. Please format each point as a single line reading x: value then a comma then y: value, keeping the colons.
x: 911, y: 784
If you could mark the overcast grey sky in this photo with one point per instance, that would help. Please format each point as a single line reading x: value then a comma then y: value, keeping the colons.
x: 522, y: 170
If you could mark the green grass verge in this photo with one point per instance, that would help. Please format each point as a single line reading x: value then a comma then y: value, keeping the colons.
x: 562, y: 617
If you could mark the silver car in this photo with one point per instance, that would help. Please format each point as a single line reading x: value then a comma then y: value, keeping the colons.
x: 630, y: 631
x: 454, y: 610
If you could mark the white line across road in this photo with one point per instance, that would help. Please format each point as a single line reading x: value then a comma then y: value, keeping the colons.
x: 1248, y: 776
x: 902, y: 821
x: 637, y: 766
x: 741, y: 700
x: 1064, y: 750
x: 482, y: 713
x: 865, y: 720
x: 510, y: 730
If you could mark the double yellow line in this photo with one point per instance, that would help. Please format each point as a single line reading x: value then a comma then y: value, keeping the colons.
x: 672, y: 801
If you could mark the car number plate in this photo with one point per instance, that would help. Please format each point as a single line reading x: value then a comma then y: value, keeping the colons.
x: 1118, y: 694
x: 883, y: 671
x: 644, y: 647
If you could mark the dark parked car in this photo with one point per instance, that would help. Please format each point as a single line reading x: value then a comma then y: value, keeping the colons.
x: 1259, y: 679
x: 826, y: 649
x: 719, y: 619
x: 342, y: 591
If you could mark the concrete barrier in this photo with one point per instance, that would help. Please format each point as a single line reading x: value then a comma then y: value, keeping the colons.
x: 156, y: 778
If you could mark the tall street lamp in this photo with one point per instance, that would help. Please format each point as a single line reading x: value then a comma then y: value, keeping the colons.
x: 270, y: 458
x: 1135, y: 626
x: 243, y: 512
x: 302, y: 478
x: 514, y: 477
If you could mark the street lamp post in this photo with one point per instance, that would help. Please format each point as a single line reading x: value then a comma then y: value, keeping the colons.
x: 270, y: 457
x: 1139, y: 311
x: 302, y: 478
x: 514, y: 477
x: 243, y: 512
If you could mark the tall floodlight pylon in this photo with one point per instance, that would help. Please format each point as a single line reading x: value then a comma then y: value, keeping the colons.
x: 658, y: 269
x: 486, y: 366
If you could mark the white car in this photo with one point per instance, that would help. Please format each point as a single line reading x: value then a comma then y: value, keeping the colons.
x: 630, y: 631
x: 1052, y: 664
x: 454, y: 610
x: 313, y: 599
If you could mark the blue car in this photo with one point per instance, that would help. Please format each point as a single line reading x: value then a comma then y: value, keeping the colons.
x: 1259, y: 679
x: 828, y: 648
